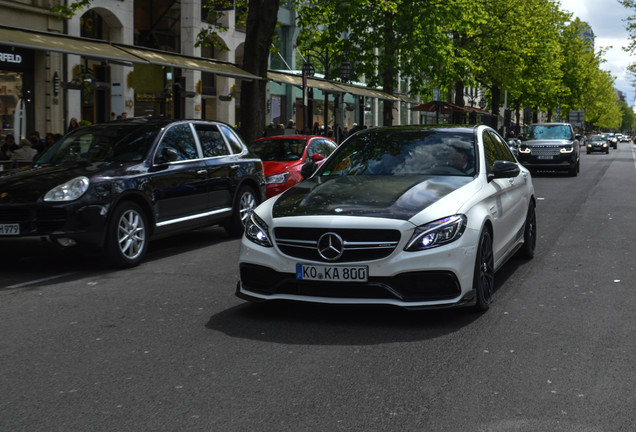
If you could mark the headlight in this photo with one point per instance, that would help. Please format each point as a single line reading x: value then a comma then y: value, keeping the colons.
x: 69, y: 191
x: 605, y: 145
x: 567, y: 149
x: 277, y: 178
x: 524, y: 149
x: 438, y: 233
x: 257, y: 231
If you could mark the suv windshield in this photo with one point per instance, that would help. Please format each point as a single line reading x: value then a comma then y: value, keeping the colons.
x: 549, y: 132
x: 102, y: 143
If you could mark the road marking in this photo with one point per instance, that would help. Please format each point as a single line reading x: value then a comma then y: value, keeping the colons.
x: 21, y: 285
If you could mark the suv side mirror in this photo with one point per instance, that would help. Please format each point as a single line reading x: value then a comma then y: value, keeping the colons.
x: 168, y: 154
x: 308, y: 169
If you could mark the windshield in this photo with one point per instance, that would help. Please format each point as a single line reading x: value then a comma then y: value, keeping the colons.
x: 400, y: 152
x: 549, y: 132
x: 279, y: 150
x: 598, y: 138
x: 123, y: 143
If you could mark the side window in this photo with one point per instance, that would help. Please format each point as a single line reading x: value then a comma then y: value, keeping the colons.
x: 502, y: 149
x: 490, y: 151
x: 212, y: 142
x: 179, y: 138
x: 235, y: 142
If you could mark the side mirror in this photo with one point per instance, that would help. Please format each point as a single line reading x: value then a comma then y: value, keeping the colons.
x: 317, y: 157
x: 168, y: 154
x: 308, y: 169
x: 504, y: 169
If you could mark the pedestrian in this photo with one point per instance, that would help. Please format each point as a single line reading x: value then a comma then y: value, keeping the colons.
x: 73, y: 124
x: 26, y: 152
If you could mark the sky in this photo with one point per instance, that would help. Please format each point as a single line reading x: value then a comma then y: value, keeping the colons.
x: 607, y: 19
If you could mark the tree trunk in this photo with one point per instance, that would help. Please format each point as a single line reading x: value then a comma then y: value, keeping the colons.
x: 496, y: 97
x: 459, y: 116
x: 388, y: 75
x: 261, y: 24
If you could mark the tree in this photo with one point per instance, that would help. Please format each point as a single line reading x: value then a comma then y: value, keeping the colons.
x: 392, y: 38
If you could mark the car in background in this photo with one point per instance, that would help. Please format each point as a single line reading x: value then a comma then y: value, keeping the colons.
x: 597, y: 143
x: 284, y: 155
x: 412, y: 216
x: 612, y: 140
x: 116, y: 185
x: 550, y: 146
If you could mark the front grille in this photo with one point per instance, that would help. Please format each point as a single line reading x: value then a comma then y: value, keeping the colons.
x: 34, y: 220
x: 13, y: 214
x: 406, y: 287
x: 50, y: 219
x: 546, y: 151
x: 359, y: 244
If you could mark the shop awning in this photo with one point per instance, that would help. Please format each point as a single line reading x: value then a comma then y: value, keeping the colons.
x: 90, y: 48
x: 165, y: 58
x: 406, y: 99
x: 116, y: 53
x: 329, y: 86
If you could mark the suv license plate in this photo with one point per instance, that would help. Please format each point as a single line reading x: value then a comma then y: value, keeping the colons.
x: 545, y: 157
x: 332, y: 273
x: 9, y: 229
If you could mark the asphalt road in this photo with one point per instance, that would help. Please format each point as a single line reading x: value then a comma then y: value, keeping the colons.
x: 167, y: 346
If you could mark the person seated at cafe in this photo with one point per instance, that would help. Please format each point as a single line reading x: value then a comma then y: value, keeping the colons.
x: 26, y: 152
x: 8, y: 147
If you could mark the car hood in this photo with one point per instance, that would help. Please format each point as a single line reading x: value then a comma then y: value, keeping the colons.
x: 396, y: 197
x: 544, y: 143
x: 30, y: 184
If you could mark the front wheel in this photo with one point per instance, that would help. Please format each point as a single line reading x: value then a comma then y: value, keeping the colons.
x: 245, y: 202
x: 484, y: 276
x: 127, y: 235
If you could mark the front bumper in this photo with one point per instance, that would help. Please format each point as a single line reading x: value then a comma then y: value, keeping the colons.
x: 437, y: 278
x: 84, y: 224
x: 558, y: 162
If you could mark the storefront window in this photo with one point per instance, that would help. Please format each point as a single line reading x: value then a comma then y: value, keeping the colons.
x: 10, y: 94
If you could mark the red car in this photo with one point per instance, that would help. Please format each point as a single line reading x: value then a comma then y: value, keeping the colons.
x: 284, y: 155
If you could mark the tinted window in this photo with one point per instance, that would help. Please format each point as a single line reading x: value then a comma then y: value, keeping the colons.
x: 279, y: 149
x: 490, y: 151
x: 235, y: 142
x: 320, y: 146
x: 502, y: 148
x: 212, y: 143
x: 101, y: 143
x: 180, y: 139
x: 400, y: 152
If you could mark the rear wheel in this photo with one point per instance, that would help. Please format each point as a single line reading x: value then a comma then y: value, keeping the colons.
x: 127, y: 235
x: 246, y: 201
x: 484, y: 276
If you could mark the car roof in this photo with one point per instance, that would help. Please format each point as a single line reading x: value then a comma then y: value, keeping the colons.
x: 291, y: 137
x: 444, y: 128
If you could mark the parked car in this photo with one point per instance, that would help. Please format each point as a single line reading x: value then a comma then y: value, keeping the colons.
x: 116, y: 185
x: 597, y: 143
x: 550, y: 146
x: 284, y: 155
x: 410, y: 216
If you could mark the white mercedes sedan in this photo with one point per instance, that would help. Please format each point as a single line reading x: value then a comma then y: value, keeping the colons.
x: 411, y: 216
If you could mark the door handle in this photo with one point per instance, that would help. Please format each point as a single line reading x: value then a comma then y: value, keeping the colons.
x: 202, y: 172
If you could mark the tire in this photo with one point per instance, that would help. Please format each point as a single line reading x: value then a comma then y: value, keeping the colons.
x: 484, y: 276
x: 127, y: 235
x: 573, y: 172
x: 245, y: 202
x: 529, y: 234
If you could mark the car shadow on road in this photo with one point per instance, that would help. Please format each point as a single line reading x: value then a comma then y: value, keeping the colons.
x: 322, y: 324
x: 35, y: 264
